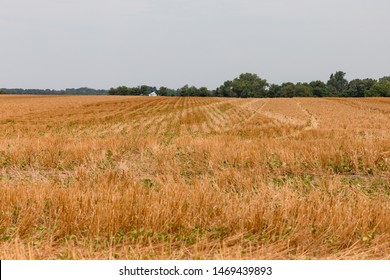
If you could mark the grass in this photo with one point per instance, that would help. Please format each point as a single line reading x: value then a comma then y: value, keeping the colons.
x: 194, y: 178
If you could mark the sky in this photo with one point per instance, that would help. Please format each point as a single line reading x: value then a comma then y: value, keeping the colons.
x: 61, y: 44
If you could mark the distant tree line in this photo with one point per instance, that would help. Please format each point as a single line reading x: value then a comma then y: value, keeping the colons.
x: 244, y: 86
x: 251, y: 85
x: 140, y: 90
x: 70, y: 91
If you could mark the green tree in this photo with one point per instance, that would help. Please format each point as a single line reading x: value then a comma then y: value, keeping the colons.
x: 226, y: 90
x: 274, y: 91
x: 337, y: 83
x: 184, y: 90
x: 380, y: 89
x: 144, y: 90
x: 319, y: 89
x: 162, y: 91
x: 303, y: 90
x: 193, y: 91
x: 203, y: 92
x: 2, y: 91
x: 384, y: 79
x: 249, y: 85
x: 359, y: 88
x: 122, y: 90
x: 287, y: 90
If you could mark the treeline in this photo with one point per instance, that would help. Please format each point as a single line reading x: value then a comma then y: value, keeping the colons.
x: 251, y: 85
x: 244, y: 86
x: 70, y: 91
x: 123, y: 90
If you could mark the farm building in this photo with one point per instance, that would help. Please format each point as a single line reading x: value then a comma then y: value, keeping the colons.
x: 153, y: 94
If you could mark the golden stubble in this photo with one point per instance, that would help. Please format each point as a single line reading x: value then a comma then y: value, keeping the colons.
x: 194, y: 178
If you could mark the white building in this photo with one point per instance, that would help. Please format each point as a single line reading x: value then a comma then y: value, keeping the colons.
x: 153, y: 94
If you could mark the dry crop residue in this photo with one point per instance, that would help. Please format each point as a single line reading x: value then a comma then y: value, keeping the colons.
x: 106, y: 177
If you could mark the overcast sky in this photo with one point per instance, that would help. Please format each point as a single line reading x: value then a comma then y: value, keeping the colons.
x: 106, y: 43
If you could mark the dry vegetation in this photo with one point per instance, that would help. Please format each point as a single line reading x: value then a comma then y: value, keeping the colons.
x: 194, y: 178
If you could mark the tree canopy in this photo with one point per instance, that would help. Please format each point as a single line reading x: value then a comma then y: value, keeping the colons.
x: 68, y: 91
x: 337, y: 83
x: 246, y: 85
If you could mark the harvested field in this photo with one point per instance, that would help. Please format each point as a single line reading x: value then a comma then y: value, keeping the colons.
x: 104, y: 177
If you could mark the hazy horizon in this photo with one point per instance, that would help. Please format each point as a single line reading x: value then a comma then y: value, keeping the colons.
x: 59, y: 44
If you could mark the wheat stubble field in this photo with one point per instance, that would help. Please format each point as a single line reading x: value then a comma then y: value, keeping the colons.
x: 194, y: 178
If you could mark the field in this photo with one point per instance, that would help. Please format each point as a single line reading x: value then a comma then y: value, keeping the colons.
x: 104, y: 177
